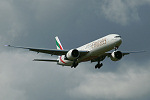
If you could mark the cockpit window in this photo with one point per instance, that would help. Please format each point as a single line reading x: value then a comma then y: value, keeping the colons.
x: 118, y: 36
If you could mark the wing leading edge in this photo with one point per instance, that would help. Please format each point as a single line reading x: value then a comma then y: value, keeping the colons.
x: 46, y: 51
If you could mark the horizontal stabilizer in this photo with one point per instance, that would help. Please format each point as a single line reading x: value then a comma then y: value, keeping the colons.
x: 45, y: 60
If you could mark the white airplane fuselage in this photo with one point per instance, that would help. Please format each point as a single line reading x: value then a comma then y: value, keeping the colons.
x: 96, y: 49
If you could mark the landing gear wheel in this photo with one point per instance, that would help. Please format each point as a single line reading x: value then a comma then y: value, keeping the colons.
x: 74, y: 65
x: 98, y: 66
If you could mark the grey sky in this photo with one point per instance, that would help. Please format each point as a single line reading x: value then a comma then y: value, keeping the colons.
x: 35, y: 23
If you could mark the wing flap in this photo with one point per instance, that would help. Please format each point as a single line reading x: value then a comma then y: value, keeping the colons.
x: 52, y: 51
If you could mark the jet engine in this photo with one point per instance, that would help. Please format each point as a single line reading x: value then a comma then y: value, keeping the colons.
x: 116, y: 55
x: 72, y: 54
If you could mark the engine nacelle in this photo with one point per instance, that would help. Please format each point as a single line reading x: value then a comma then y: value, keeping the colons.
x: 116, y: 55
x: 72, y: 54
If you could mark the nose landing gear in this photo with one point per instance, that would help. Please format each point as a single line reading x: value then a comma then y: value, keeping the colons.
x: 116, y: 48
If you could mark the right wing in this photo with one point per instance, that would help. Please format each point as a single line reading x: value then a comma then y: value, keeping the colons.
x: 46, y: 60
x: 51, y: 51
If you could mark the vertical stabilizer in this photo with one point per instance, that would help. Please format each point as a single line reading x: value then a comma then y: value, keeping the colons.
x: 58, y: 44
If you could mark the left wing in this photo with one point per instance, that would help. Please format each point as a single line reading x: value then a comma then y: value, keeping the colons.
x: 51, y: 51
x: 101, y: 58
x: 126, y: 53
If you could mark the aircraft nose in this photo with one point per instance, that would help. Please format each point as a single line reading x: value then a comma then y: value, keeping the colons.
x: 119, y: 41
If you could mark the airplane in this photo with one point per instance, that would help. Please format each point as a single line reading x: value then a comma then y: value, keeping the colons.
x: 95, y: 51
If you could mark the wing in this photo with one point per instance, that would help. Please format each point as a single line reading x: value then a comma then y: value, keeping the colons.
x: 51, y: 51
x: 102, y: 57
x: 125, y: 53
x: 47, y: 60
x: 129, y: 52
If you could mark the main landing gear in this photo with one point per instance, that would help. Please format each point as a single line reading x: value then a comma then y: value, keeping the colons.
x: 99, y: 65
x: 75, y: 64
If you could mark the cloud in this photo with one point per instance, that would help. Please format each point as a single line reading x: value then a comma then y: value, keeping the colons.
x: 131, y: 81
x: 10, y: 24
x: 120, y: 11
x: 21, y: 78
